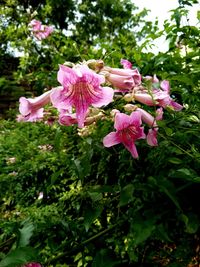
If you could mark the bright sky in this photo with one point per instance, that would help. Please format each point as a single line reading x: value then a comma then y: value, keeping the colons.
x: 160, y: 9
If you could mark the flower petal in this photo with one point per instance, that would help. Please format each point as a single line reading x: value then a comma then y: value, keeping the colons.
x: 81, y: 111
x: 90, y: 76
x: 159, y: 114
x: 147, y: 117
x: 145, y: 98
x: 131, y: 148
x: 58, y: 100
x: 24, y: 106
x: 111, y: 139
x: 135, y: 118
x: 152, y: 137
x: 165, y: 86
x: 122, y: 121
x: 126, y: 64
x: 67, y: 119
x: 176, y: 106
x: 107, y: 97
x: 67, y: 76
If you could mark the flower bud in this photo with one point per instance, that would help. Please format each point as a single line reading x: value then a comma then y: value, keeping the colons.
x: 114, y: 112
x: 130, y: 107
x: 128, y: 98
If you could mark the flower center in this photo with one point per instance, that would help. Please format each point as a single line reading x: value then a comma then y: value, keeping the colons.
x: 128, y: 134
x: 83, y: 91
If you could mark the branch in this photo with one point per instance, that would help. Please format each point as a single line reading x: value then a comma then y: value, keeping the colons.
x: 73, y: 250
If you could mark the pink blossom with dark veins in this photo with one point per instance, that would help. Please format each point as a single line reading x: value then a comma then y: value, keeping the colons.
x: 81, y: 89
x: 128, y: 130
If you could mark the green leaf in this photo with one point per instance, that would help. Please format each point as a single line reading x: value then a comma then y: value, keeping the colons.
x: 142, y: 230
x: 187, y: 174
x: 192, y: 223
x: 102, y: 189
x: 175, y: 160
x: 198, y: 14
x: 19, y: 256
x: 90, y: 215
x: 104, y: 258
x: 55, y: 176
x: 168, y: 188
x: 95, y: 196
x: 126, y: 195
x: 168, y: 131
x: 25, y: 234
x: 162, y: 232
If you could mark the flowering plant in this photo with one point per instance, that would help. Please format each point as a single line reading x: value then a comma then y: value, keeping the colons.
x: 93, y: 84
x: 39, y: 30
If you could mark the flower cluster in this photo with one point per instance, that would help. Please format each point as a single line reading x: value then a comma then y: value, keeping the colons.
x: 86, y: 87
x: 40, y: 31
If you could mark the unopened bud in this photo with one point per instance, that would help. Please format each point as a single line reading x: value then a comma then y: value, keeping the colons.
x: 130, y: 107
x: 96, y: 65
x: 128, y: 97
x: 194, y: 118
x: 90, y: 120
x: 114, y: 112
x: 69, y: 64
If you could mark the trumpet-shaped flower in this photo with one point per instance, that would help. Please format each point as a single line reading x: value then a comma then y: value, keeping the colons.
x: 126, y: 64
x: 40, y: 31
x: 128, y: 130
x: 81, y: 88
x: 151, y: 121
x: 35, y: 115
x: 159, y: 114
x: 67, y: 119
x: 121, y: 82
x: 35, y: 25
x: 152, y: 137
x: 128, y: 77
x: 158, y: 97
x: 31, y: 109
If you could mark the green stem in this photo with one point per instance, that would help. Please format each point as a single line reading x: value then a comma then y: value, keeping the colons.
x: 73, y: 250
x: 183, y: 150
x: 5, y: 243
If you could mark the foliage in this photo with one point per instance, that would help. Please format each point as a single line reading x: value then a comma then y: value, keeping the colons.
x: 65, y: 199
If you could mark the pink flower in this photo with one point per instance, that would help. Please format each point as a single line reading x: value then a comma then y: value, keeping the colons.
x: 151, y: 121
x: 31, y: 108
x: 128, y: 130
x: 168, y: 101
x: 32, y: 264
x: 145, y: 98
x: 81, y: 88
x: 158, y: 97
x: 126, y: 73
x: 152, y: 137
x: 35, y: 25
x: 147, y: 117
x: 154, y: 79
x: 122, y: 79
x: 126, y: 64
x: 67, y: 119
x: 121, y: 82
x: 44, y: 32
x: 35, y: 115
x: 159, y: 114
x: 40, y: 31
